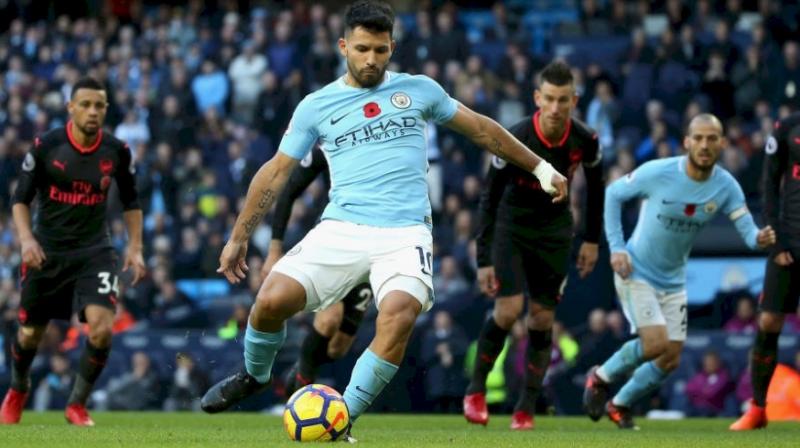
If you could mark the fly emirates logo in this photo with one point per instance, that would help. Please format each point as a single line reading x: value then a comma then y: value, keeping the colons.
x: 383, y: 130
x: 82, y: 194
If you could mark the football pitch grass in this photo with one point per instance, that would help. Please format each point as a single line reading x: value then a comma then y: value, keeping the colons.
x: 233, y: 430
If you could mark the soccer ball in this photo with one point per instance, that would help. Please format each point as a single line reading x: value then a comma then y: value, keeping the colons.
x: 315, y: 413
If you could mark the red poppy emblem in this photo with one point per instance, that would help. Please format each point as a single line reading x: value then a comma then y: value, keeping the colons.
x: 23, y: 316
x: 105, y: 182
x: 372, y: 110
x: 106, y: 166
x: 689, y: 209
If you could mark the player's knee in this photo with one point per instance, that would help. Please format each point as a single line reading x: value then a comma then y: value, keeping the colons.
x: 29, y: 336
x: 100, y: 334
x: 276, y: 302
x: 339, y: 345
x: 326, y: 325
x: 540, y: 318
x: 506, y: 312
x: 654, y: 347
x: 770, y: 322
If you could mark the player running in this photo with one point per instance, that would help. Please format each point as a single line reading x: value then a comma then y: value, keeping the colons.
x: 680, y: 196
x: 524, y: 239
x: 68, y: 263
x: 370, y: 124
x: 334, y: 328
x: 782, y: 277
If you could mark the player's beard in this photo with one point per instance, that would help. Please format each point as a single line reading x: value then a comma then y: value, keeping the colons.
x: 89, y: 131
x: 700, y: 166
x: 364, y: 81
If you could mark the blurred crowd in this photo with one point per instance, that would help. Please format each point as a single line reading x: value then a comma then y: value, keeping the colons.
x: 202, y: 93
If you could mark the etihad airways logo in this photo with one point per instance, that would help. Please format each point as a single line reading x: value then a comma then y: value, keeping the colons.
x: 384, y: 130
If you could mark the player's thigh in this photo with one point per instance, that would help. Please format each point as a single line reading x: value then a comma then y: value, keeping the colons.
x: 97, y: 284
x: 355, y: 306
x: 674, y: 306
x: 47, y: 293
x: 401, y: 259
x: 781, y: 287
x: 639, y: 302
x: 328, y: 320
x: 546, y: 271
x: 509, y: 268
x: 330, y: 261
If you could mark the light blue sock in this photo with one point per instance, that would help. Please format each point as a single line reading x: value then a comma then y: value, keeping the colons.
x: 622, y: 361
x: 370, y: 375
x: 260, y: 349
x: 646, y: 378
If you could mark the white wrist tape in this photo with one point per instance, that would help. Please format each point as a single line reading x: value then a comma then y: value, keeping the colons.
x: 544, y: 172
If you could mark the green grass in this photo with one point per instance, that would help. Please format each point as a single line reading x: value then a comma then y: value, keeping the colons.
x: 49, y: 430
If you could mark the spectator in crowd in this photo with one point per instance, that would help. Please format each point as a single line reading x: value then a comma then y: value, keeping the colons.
x: 53, y: 391
x: 189, y: 382
x: 443, y: 349
x: 136, y: 390
x: 708, y: 389
x: 744, y: 321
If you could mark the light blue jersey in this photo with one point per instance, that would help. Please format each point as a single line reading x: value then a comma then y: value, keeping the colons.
x: 374, y: 140
x: 675, y: 208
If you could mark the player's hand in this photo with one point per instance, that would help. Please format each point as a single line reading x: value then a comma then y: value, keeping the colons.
x: 32, y: 253
x: 232, y: 262
x: 135, y: 260
x: 587, y: 258
x: 487, y: 281
x: 766, y: 237
x: 561, y: 186
x: 621, y: 264
x: 275, y: 254
x: 784, y: 258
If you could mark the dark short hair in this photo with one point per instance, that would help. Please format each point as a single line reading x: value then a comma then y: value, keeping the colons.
x: 557, y: 73
x: 374, y: 16
x: 87, y: 83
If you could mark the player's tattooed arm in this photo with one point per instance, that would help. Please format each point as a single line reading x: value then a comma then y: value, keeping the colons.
x: 265, y: 186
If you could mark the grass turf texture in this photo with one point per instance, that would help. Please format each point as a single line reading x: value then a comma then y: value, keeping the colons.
x: 254, y: 430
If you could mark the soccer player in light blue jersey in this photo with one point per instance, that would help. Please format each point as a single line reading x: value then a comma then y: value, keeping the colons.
x: 370, y: 124
x: 680, y: 196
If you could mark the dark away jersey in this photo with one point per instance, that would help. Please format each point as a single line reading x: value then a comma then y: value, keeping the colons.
x: 782, y: 169
x: 72, y: 184
x: 513, y: 198
x: 313, y: 164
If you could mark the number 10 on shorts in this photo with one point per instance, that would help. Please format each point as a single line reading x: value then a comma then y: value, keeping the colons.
x: 425, y: 260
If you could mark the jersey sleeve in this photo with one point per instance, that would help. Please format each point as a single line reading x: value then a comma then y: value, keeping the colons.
x: 302, y: 176
x: 637, y: 183
x: 735, y: 208
x: 302, y: 133
x: 31, y: 175
x: 595, y: 192
x: 775, y: 163
x: 441, y: 108
x: 126, y: 182
x: 492, y: 193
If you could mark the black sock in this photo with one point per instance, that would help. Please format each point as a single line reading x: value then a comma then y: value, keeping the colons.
x: 490, y: 344
x: 313, y: 354
x: 21, y: 366
x: 764, y: 360
x: 538, y: 360
x: 92, y: 362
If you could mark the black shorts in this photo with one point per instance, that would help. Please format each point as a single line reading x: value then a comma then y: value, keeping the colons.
x: 356, y: 303
x: 536, y: 266
x: 781, y: 287
x: 66, y: 283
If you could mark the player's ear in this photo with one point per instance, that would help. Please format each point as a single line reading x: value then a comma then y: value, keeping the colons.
x: 393, y: 45
x: 343, y: 47
x: 575, y: 99
x: 537, y: 97
x: 687, y: 143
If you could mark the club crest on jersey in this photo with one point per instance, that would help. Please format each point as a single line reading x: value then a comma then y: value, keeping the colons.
x: 772, y: 146
x: 372, y: 110
x: 106, y: 166
x: 401, y: 100
x: 29, y: 163
x: 710, y: 207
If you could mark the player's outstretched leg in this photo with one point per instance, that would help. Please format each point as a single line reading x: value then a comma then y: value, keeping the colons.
x: 763, y: 360
x: 92, y: 362
x: 537, y: 354
x: 378, y: 364
x: 490, y: 343
x: 645, y: 379
x: 622, y: 362
x: 279, y: 298
x: 21, y: 359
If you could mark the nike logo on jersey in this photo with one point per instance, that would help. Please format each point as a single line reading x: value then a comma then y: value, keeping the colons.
x: 60, y: 165
x: 336, y: 120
